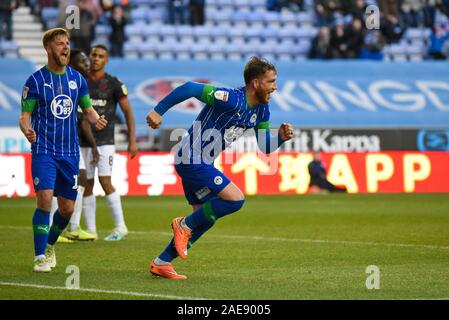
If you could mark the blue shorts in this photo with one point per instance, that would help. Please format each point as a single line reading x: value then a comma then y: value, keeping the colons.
x: 56, y: 173
x: 201, y: 182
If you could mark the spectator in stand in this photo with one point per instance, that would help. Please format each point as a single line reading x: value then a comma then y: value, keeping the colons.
x: 117, y: 20
x: 356, y: 35
x: 374, y: 42
x: 389, y: 8
x: 318, y: 179
x: 411, y: 11
x: 443, y: 6
x: 197, y: 12
x: 339, y: 41
x: 83, y: 36
x: 291, y: 5
x: 429, y: 12
x: 325, y: 10
x: 176, y: 11
x: 320, y: 47
x: 6, y: 9
x: 437, y: 39
x: 357, y: 9
x: 391, y: 29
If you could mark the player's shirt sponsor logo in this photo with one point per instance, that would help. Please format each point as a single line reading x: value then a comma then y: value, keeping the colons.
x: 25, y: 92
x: 61, y: 106
x: 99, y: 102
x: 36, y: 181
x: 73, y: 85
x: 221, y: 95
x: 218, y: 180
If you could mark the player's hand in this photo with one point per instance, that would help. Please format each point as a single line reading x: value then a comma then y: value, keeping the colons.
x: 154, y: 119
x: 30, y: 135
x: 95, y: 156
x: 286, y: 131
x: 101, y: 123
x: 132, y: 149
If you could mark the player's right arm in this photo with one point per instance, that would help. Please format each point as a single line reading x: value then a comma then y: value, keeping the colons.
x: 29, y: 100
x: 86, y: 131
x: 203, y: 92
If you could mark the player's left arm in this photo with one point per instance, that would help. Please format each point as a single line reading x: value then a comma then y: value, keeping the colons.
x: 129, y: 117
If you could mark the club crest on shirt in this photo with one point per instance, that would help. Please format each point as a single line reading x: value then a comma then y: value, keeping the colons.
x: 25, y: 92
x: 72, y: 85
x: 36, y: 181
x: 218, y: 180
x: 253, y: 118
x: 221, y: 95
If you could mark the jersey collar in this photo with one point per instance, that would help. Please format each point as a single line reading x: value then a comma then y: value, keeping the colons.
x: 56, y: 74
x: 101, y: 76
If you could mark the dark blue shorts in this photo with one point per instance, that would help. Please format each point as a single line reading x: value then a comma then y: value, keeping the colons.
x: 56, y: 173
x: 201, y: 182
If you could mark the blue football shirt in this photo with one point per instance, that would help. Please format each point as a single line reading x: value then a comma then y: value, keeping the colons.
x: 53, y: 100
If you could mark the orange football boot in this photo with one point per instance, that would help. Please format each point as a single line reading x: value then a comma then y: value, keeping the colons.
x: 181, y: 236
x: 165, y: 271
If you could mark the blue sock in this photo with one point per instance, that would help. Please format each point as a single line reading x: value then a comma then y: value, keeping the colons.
x: 211, y: 211
x: 59, y: 224
x: 41, y: 221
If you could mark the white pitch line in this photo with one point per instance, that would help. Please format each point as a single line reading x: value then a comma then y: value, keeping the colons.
x: 293, y: 240
x: 125, y: 293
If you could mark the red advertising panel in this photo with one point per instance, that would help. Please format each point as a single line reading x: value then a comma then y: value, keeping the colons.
x: 153, y: 173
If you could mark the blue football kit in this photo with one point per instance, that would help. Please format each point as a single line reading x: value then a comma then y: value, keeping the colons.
x: 53, y: 100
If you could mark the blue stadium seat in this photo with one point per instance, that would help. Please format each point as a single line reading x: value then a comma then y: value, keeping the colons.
x: 102, y: 30
x: 236, y: 35
x: 49, y: 13
x: 286, y: 52
x: 131, y: 50
x: 185, y: 33
x: 199, y: 51
x: 156, y: 16
x: 288, y: 19
x: 272, y: 19
x: 242, y: 5
x: 256, y: 20
x: 226, y: 4
x: 165, y: 51
x: 139, y: 14
x: 151, y: 32
x: 219, y: 35
x: 167, y: 32
x: 304, y: 19
x: 183, y: 52
x: 201, y: 32
x: 217, y: 51
x: 240, y: 19
x: 234, y: 52
x: 9, y: 48
x: 415, y: 53
x: 398, y: 52
x: 133, y: 32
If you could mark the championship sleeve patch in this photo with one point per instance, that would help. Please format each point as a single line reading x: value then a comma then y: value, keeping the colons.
x: 221, y: 95
x: 25, y: 92
x: 124, y: 90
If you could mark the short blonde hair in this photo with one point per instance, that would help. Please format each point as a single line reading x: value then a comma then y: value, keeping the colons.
x: 51, y: 34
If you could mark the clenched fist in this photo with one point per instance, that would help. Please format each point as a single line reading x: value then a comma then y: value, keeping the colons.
x: 154, y: 119
x: 101, y: 123
x: 30, y: 135
x: 286, y: 131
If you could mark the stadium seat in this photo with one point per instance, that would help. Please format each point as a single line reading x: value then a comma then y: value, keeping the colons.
x: 139, y: 14
x: 398, y: 52
x: 151, y: 32
x: 415, y: 53
x: 253, y: 36
x: 285, y: 52
x: 167, y: 33
x: 185, y: 33
x: 240, y: 19
x: 272, y: 19
x: 234, y: 52
x: 219, y: 36
x: 133, y: 32
x: 9, y: 48
x: 226, y: 4
x: 223, y: 18
x: 256, y: 20
x: 217, y: 51
x: 304, y: 19
x: 165, y: 50
x: 156, y: 16
x: 182, y: 51
x: 242, y: 5
x: 199, y: 51
x: 131, y: 50
x: 288, y: 19
x: 236, y: 36
x: 201, y: 33
x: 49, y: 13
x: 148, y: 50
x: 270, y: 36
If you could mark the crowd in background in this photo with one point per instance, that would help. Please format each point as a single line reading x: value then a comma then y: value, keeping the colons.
x: 343, y: 35
x: 342, y: 32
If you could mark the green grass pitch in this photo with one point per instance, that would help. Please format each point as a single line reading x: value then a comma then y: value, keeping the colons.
x: 276, y: 247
